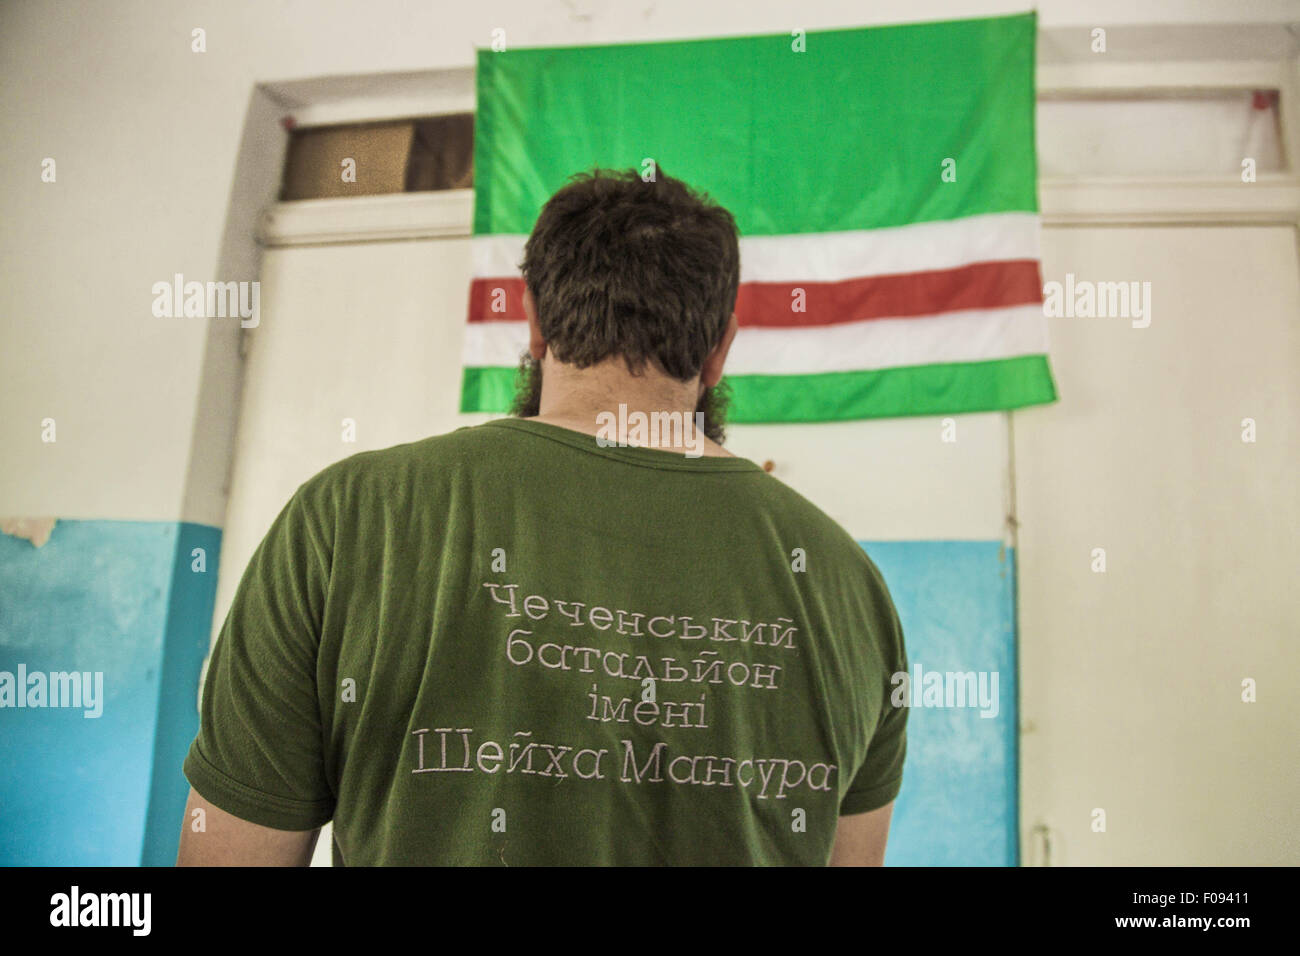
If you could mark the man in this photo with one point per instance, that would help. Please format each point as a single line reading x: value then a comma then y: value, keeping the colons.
x: 530, y: 642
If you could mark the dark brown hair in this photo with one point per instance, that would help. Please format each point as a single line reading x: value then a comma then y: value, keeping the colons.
x: 621, y: 266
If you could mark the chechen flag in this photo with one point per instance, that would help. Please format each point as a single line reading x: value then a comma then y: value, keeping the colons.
x: 884, y: 182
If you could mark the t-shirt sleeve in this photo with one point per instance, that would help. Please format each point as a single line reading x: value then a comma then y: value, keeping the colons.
x: 880, y: 777
x: 259, y: 751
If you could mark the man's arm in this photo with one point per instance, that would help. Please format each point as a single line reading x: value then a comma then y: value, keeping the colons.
x: 229, y: 841
x: 860, y: 838
x: 257, y: 764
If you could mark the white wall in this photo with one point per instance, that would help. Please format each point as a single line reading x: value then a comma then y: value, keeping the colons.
x: 146, y: 133
x: 1131, y: 679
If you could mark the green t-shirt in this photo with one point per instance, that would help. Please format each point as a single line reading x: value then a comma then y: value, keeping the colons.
x: 509, y: 645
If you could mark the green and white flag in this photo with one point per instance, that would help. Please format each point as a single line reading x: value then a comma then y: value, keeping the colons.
x: 884, y: 181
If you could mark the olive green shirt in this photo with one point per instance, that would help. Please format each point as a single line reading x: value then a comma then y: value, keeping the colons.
x: 509, y: 645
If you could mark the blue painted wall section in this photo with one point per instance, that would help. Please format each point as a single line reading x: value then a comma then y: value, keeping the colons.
x: 959, y: 803
x: 189, y: 624
x: 112, y: 597
x: 123, y: 598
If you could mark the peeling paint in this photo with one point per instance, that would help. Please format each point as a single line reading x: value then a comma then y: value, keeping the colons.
x: 35, y: 530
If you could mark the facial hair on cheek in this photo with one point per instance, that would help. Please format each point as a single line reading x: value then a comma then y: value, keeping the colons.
x: 528, y: 388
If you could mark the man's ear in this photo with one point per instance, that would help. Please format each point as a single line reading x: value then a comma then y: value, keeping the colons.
x: 711, y: 371
x: 536, y: 344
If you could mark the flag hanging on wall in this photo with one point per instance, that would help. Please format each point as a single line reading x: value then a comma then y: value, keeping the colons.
x: 884, y: 182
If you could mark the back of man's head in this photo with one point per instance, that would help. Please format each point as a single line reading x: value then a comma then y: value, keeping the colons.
x: 643, y: 269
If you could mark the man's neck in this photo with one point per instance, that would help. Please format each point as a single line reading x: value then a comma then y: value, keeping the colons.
x: 605, y: 423
x: 605, y: 401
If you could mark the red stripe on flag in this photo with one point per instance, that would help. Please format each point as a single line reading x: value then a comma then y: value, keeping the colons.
x: 982, y: 285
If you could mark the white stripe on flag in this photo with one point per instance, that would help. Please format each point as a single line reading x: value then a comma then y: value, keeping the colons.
x: 835, y: 256
x: 971, y: 336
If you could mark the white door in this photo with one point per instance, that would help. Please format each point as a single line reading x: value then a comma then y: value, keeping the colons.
x: 1132, y: 678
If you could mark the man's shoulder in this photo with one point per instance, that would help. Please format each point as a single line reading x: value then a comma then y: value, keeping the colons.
x: 390, y: 469
x: 825, y: 540
x: 821, y: 530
